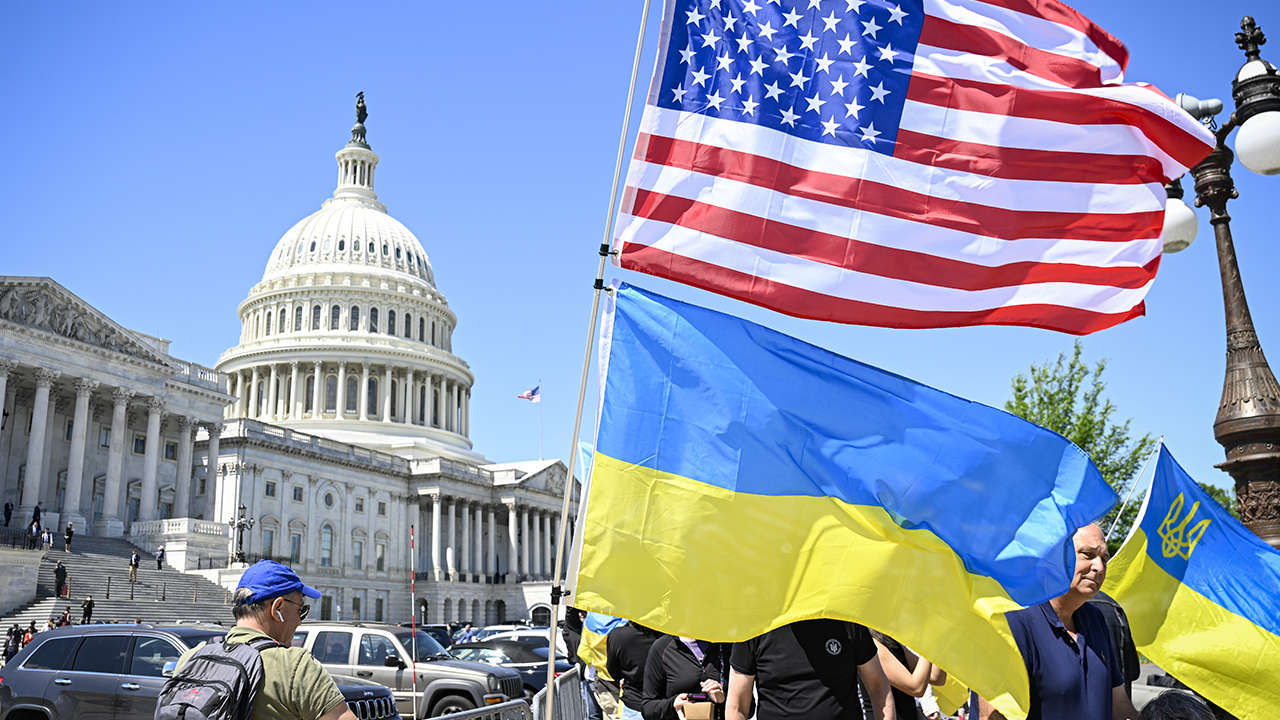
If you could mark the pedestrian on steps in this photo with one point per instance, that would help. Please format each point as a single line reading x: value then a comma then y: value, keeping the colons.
x: 134, y: 561
x: 160, y: 557
x: 60, y: 578
x: 66, y: 537
x: 86, y: 609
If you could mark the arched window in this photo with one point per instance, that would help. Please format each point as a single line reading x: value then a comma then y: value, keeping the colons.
x: 313, y: 246
x: 353, y: 394
x: 373, y: 320
x: 384, y: 249
x: 311, y: 392
x: 268, y: 323
x: 262, y: 392
x: 297, y: 319
x: 408, y: 326
x: 422, y: 404
x: 331, y: 393
x: 256, y: 328
x: 283, y: 325
x: 391, y: 323
x: 370, y: 248
x: 315, y: 318
x: 397, y: 253
x: 372, y: 408
x: 326, y: 546
x: 335, y: 315
x: 395, y: 395
x: 342, y: 245
x: 433, y: 332
x: 355, y: 318
x: 422, y: 329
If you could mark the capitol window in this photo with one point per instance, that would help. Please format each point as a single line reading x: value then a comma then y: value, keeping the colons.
x: 299, y: 247
x: 353, y: 389
x: 104, y: 437
x: 355, y: 318
x: 269, y: 489
x: 357, y: 555
x: 297, y: 319
x: 328, y: 500
x: 359, y: 504
x: 422, y: 326
x: 382, y: 508
x: 311, y: 393
x: 373, y: 320
x: 408, y: 326
x: 326, y: 244
x: 331, y: 393
x: 315, y: 318
x: 268, y: 323
x: 391, y: 322
x: 313, y: 246
x: 171, y: 451
x: 282, y: 320
x: 297, y: 493
x: 397, y: 253
x: 372, y: 408
x: 384, y: 249
x: 371, y: 250
x: 335, y: 315
x: 326, y: 546
x: 342, y: 245
x: 139, y: 444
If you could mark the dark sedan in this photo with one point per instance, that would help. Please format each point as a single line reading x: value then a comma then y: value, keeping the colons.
x: 528, y: 660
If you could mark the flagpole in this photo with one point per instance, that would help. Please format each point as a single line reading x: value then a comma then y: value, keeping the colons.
x: 413, y: 621
x: 1134, y: 486
x: 556, y: 589
x: 540, y: 419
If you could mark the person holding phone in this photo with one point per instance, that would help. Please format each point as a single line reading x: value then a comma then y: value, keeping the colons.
x: 682, y: 672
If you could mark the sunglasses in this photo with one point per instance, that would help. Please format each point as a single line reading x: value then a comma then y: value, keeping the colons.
x: 303, y: 610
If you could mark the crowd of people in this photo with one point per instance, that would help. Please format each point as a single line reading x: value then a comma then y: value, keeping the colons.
x: 1079, y: 658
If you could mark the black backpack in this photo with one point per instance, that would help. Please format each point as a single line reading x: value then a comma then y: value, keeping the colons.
x: 219, y: 682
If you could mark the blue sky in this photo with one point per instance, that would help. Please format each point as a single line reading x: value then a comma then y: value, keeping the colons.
x: 157, y: 152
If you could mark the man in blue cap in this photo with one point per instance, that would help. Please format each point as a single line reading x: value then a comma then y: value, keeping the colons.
x: 269, y: 603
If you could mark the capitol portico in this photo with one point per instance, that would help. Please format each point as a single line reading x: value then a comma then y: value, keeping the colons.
x: 339, y: 421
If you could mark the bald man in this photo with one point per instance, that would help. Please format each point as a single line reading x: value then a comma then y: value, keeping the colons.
x: 1067, y: 650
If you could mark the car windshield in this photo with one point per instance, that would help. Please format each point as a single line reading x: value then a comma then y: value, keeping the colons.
x: 428, y: 648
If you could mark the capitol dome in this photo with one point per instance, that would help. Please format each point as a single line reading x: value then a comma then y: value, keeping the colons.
x: 347, y: 336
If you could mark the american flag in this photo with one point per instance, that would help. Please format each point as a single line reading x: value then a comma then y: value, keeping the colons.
x: 534, y: 395
x: 929, y: 163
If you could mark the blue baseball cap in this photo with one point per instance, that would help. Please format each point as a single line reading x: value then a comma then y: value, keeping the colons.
x: 269, y: 579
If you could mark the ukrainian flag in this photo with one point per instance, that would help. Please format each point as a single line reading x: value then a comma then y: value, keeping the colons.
x: 744, y: 480
x: 1202, y: 594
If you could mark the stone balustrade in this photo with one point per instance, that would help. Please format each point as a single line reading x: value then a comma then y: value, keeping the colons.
x: 179, y: 526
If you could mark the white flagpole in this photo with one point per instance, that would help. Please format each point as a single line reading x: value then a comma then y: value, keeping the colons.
x: 556, y: 589
x: 540, y: 419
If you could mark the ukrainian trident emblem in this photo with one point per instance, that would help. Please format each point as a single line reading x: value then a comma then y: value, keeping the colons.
x: 1177, y: 540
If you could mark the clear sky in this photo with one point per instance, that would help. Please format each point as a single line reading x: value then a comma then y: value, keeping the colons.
x: 156, y: 152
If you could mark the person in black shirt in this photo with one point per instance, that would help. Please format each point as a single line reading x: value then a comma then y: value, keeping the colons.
x: 627, y: 652
x: 808, y: 669
x: 909, y: 674
x: 60, y: 580
x: 679, y: 666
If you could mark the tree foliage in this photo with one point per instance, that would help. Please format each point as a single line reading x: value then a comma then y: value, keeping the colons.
x: 1066, y: 397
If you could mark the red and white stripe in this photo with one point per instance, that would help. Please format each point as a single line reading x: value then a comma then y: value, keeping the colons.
x: 1026, y: 188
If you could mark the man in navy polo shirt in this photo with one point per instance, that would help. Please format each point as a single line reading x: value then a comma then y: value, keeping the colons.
x: 1065, y: 644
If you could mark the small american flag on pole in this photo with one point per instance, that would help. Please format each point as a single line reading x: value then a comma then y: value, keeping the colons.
x: 929, y: 163
x: 534, y: 395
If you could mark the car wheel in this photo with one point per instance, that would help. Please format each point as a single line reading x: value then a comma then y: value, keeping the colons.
x: 451, y: 704
x: 528, y: 694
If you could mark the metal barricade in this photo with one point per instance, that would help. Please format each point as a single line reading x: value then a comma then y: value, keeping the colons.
x: 567, y: 699
x: 509, y: 710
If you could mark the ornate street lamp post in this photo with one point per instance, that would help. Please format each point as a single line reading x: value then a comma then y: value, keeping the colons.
x: 1248, y: 421
x: 240, y: 525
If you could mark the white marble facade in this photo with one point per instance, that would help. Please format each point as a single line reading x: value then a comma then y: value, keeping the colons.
x: 339, y: 421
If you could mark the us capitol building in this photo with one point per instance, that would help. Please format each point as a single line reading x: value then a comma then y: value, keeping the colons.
x: 340, y: 418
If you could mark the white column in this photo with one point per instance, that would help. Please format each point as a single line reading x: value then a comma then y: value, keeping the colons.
x: 342, y: 389
x: 492, y: 558
x: 295, y: 399
x: 75, y: 463
x: 33, y: 483
x: 477, y: 546
x: 525, y: 538
x: 364, y: 393
x: 435, y: 536
x: 253, y: 395
x: 541, y: 534
x: 317, y: 409
x: 386, y: 396
x: 110, y: 524
x: 451, y: 541
x: 240, y: 397
x: 438, y: 403
x: 182, y: 480
x: 464, y: 565
x: 273, y: 394
x: 513, y: 544
x: 151, y: 459
x: 211, y: 472
x: 549, y: 560
x: 406, y: 414
x: 466, y: 412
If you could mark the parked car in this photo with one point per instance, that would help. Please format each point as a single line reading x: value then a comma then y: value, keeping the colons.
x: 531, y: 635
x: 117, y: 671
x: 382, y: 653
x: 527, y: 659
x: 440, y: 633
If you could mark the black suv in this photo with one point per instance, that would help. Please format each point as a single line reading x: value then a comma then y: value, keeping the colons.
x: 115, y: 672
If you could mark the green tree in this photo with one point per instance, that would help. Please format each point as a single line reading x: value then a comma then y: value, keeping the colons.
x: 1066, y: 397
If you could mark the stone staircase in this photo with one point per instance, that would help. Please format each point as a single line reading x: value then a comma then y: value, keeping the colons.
x: 158, y: 596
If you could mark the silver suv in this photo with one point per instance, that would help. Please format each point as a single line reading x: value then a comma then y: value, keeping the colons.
x: 117, y: 671
x: 380, y: 653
